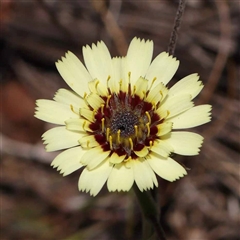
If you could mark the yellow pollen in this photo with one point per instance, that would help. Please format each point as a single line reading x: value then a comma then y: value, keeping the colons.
x: 154, y: 106
x: 151, y: 144
x: 108, y: 99
x: 120, y: 84
x: 118, y: 136
x: 134, y: 89
x: 131, y: 143
x: 85, y: 95
x: 168, y: 113
x: 102, y: 108
x: 136, y: 130
x: 83, y: 126
x: 161, y: 94
x: 96, y: 84
x: 154, y: 79
x: 148, y: 129
x: 110, y: 142
x: 144, y: 94
x: 148, y: 116
x: 107, y: 133
x: 88, y: 142
x: 129, y: 75
x: 71, y: 106
x: 103, y: 120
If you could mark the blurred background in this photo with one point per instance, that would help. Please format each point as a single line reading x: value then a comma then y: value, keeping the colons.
x: 36, y: 201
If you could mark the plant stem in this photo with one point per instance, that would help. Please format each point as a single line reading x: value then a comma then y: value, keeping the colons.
x: 151, y: 224
x: 176, y: 26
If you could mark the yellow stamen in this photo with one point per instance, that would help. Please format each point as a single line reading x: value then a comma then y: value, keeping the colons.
x: 83, y: 126
x: 129, y: 76
x: 108, y: 99
x: 148, y: 116
x: 107, y: 133
x: 134, y: 89
x: 88, y: 142
x: 151, y: 144
x: 154, y: 79
x: 103, y: 121
x: 153, y: 106
x: 148, y: 129
x: 96, y: 84
x: 118, y: 136
x: 131, y: 143
x: 108, y: 80
x: 136, y: 130
x: 167, y: 113
x: 120, y: 84
x: 110, y: 142
x: 102, y: 108
x: 161, y: 95
x: 144, y: 94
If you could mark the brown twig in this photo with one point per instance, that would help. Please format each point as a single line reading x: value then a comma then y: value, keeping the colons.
x: 176, y: 27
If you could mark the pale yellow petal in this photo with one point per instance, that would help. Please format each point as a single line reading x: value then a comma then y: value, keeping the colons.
x: 70, y: 98
x: 60, y: 138
x: 66, y: 156
x: 142, y: 153
x: 97, y: 87
x: 92, y: 86
x: 87, y: 114
x: 166, y: 168
x: 125, y: 76
x: 164, y: 128
x: 184, y: 143
x: 121, y: 178
x: 94, y: 100
x: 102, y: 88
x: 115, y: 158
x: 139, y: 57
x: 175, y: 105
x: 93, y: 180
x: 94, y: 156
x: 53, y: 112
x: 98, y: 61
x: 162, y: 148
x: 113, y: 82
x: 162, y: 69
x: 143, y: 175
x: 141, y: 87
x: 68, y: 161
x: 81, y: 125
x: 157, y: 94
x: 74, y: 73
x: 188, y: 85
x: 193, y: 117
x: 88, y: 141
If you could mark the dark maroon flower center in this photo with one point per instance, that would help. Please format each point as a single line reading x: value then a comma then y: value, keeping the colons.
x: 125, y: 124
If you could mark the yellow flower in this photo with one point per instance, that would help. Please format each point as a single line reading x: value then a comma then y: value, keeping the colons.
x: 120, y: 121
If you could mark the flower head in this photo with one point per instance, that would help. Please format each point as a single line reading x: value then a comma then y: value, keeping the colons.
x: 120, y: 121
